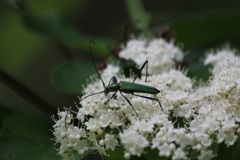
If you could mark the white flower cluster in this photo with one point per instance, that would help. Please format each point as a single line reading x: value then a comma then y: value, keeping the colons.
x: 218, y: 103
x: 190, y: 122
x: 160, y: 53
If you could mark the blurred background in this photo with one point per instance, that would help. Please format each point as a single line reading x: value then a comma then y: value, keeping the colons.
x: 45, y: 60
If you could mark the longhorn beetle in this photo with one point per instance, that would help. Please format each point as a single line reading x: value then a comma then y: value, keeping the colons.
x: 125, y: 87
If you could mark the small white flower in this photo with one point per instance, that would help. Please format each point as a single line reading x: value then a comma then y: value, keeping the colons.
x: 177, y: 97
x: 143, y: 126
x: 164, y: 150
x: 228, y: 123
x: 92, y: 125
x: 206, y: 155
x: 179, y: 154
x: 81, y: 146
x: 221, y: 136
x: 206, y: 140
x: 133, y: 142
x: 110, y: 70
x: 223, y: 54
x: 110, y: 142
x: 127, y: 155
x: 230, y: 138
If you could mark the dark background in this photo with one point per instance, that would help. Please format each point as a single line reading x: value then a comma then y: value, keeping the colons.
x: 44, y: 50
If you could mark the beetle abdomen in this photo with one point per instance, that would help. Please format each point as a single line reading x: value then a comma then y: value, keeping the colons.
x: 129, y: 87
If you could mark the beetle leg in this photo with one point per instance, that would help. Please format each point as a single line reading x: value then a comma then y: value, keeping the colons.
x: 113, y: 96
x: 129, y: 103
x: 150, y: 98
x: 140, y: 70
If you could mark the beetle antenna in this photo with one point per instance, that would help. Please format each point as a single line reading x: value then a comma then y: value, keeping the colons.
x: 90, y: 48
x: 80, y: 99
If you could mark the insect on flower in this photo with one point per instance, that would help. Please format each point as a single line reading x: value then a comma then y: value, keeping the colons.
x: 124, y: 86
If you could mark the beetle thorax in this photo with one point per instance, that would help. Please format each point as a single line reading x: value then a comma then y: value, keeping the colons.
x: 114, y: 87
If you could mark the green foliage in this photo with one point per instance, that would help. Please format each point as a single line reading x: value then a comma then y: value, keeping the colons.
x: 138, y: 14
x: 15, y: 53
x: 117, y: 154
x: 69, y: 76
x: 55, y: 26
x: 31, y: 36
x: 229, y: 153
x: 207, y: 29
x: 25, y: 137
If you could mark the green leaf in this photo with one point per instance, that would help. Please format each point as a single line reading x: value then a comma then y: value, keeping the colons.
x: 70, y: 76
x: 148, y: 154
x: 24, y: 137
x: 153, y: 154
x: 129, y: 67
x: 117, y: 154
x: 16, y: 53
x: 3, y: 112
x: 89, y: 154
x: 138, y: 14
x: 199, y: 70
x: 57, y: 27
x: 229, y: 153
x: 206, y: 29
